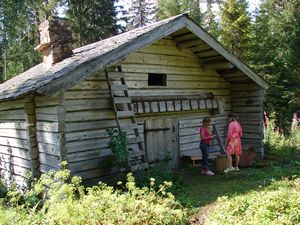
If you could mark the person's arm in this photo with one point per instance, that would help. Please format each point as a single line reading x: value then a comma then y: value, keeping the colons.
x: 241, y: 131
x: 230, y: 131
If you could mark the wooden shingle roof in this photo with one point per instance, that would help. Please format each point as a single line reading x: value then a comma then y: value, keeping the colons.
x: 88, y: 59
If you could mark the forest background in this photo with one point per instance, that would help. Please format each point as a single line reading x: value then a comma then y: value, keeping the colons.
x: 267, y: 38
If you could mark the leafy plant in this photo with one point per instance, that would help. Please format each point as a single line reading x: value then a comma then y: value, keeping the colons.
x: 63, y: 200
x: 160, y: 176
x: 119, y: 146
x: 277, y: 204
x: 286, y: 146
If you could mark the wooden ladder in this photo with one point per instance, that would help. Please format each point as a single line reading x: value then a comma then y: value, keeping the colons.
x: 220, y: 143
x: 123, y: 109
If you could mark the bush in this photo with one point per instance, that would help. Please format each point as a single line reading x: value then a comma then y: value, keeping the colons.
x: 283, y: 145
x: 277, y: 204
x: 58, y: 198
x: 118, y: 143
x: 161, y: 175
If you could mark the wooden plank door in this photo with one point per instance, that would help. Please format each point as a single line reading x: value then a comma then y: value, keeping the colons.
x: 161, y: 136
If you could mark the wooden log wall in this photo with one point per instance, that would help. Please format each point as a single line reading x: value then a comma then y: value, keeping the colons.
x: 15, y: 154
x: 189, y: 138
x: 88, y: 114
x: 48, y: 135
x: 172, y: 105
x: 247, y: 103
x: 185, y: 76
x: 29, y: 107
x: 89, y: 110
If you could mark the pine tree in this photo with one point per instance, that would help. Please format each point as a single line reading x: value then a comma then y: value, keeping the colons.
x: 278, y: 40
x: 141, y: 13
x: 169, y: 8
x: 92, y: 20
x: 195, y: 12
x: 211, y: 25
x: 18, y: 37
x: 236, y: 27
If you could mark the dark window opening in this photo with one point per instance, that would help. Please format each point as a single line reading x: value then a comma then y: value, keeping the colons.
x: 157, y: 79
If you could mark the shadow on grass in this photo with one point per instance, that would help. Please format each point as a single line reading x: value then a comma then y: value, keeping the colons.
x: 198, y: 190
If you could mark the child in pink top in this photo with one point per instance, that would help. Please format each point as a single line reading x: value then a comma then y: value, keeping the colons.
x: 206, y: 138
x: 233, y: 143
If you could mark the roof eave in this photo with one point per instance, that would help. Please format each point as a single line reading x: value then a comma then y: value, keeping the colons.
x: 79, y: 73
x: 68, y: 80
x: 202, y: 34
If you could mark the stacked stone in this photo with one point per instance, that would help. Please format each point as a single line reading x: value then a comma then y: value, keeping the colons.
x: 55, y: 40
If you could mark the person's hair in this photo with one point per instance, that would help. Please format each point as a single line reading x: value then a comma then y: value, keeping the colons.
x: 206, y: 120
x: 231, y: 115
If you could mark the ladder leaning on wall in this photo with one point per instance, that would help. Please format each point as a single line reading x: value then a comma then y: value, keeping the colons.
x: 123, y: 110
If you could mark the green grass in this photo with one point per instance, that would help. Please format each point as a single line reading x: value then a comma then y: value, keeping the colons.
x: 282, y: 161
x: 198, y: 190
x: 267, y: 193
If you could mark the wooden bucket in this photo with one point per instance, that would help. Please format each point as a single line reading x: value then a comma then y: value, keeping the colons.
x: 221, y: 163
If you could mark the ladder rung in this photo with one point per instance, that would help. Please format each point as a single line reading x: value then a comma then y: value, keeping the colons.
x: 139, y: 167
x: 125, y: 113
x: 119, y: 87
x: 120, y: 100
x: 129, y: 126
x: 137, y: 153
x: 134, y: 140
x: 115, y: 75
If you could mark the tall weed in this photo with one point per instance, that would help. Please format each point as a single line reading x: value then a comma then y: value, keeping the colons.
x: 277, y: 204
x: 280, y: 144
x: 58, y: 198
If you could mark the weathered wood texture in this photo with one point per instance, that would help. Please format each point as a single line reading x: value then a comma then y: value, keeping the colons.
x: 150, y: 104
x: 30, y: 114
x: 15, y: 153
x: 162, y: 142
x: 89, y: 110
x: 189, y: 138
x: 185, y: 76
x: 88, y: 114
x: 247, y: 103
x: 48, y: 136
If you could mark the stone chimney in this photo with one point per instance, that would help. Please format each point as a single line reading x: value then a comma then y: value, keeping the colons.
x: 55, y: 40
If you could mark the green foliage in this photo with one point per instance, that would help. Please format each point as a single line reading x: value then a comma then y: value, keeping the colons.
x: 236, y: 27
x: 63, y: 200
x: 169, y: 8
x: 160, y: 176
x: 280, y: 144
x: 278, y: 38
x: 119, y: 145
x: 141, y: 13
x: 277, y: 204
x: 212, y: 26
x: 92, y: 21
x: 3, y: 190
x: 17, y: 38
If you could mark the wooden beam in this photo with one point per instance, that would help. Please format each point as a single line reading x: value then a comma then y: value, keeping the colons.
x: 207, y: 53
x: 61, y: 115
x: 184, y: 37
x: 190, y: 43
x: 171, y: 98
x: 219, y: 65
x: 212, y: 59
x: 219, y: 48
x: 29, y: 108
x: 201, y: 48
x: 90, y: 67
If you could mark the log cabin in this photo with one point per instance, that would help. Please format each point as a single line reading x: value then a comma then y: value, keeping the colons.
x: 156, y: 83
